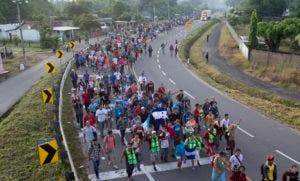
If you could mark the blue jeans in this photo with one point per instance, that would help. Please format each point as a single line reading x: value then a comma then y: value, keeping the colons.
x: 101, y: 127
x: 218, y: 176
x: 96, y: 164
x: 164, y: 154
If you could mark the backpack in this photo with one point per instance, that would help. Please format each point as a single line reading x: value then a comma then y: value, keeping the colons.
x: 262, y: 169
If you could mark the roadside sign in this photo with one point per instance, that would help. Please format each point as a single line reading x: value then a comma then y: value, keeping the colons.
x: 47, y: 95
x: 48, y: 152
x: 72, y: 45
x: 189, y: 24
x: 50, y: 67
x: 60, y: 54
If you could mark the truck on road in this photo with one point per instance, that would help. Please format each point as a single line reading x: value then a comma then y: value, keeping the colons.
x: 205, y: 15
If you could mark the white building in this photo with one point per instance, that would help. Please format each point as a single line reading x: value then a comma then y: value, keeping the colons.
x: 8, y: 31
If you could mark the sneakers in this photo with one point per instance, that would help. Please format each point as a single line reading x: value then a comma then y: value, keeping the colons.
x: 115, y: 167
x: 155, y: 169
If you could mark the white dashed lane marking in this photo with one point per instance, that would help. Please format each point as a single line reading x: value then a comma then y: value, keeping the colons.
x: 164, y: 73
x: 172, y: 81
x: 159, y: 66
x: 288, y: 157
x: 189, y: 95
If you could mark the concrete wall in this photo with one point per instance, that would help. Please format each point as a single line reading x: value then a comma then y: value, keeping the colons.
x: 274, y: 58
x: 242, y: 46
x: 28, y: 35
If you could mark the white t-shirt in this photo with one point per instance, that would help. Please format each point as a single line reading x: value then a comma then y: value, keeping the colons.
x: 101, y: 114
x: 225, y: 122
x: 118, y: 75
x: 234, y: 161
x: 142, y: 79
x: 165, y: 141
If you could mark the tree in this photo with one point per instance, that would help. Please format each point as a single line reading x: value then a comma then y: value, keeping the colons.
x: 267, y: 8
x: 272, y: 32
x: 253, y: 30
x: 86, y: 22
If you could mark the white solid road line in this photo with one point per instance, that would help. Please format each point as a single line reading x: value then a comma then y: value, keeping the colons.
x: 288, y: 157
x: 149, y: 176
x: 252, y: 136
x: 147, y: 170
x: 164, y: 73
x: 172, y: 81
x: 159, y: 66
x: 189, y: 95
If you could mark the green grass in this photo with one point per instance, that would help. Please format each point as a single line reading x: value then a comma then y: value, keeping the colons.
x: 286, y: 111
x: 283, y: 75
x: 71, y: 132
x: 28, y: 121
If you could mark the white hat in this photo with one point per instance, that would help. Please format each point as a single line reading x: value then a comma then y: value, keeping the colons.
x: 153, y: 132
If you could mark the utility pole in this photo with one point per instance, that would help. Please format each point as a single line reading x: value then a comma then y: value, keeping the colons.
x: 18, y: 2
x: 154, y: 14
x: 168, y: 9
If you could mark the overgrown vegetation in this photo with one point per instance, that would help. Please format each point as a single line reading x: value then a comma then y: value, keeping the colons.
x: 283, y: 75
x: 71, y: 132
x: 19, y: 132
x: 286, y: 111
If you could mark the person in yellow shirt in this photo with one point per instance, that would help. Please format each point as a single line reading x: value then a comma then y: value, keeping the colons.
x: 269, y: 169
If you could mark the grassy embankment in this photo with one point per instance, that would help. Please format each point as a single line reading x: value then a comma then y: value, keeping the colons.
x: 28, y: 121
x: 286, y: 111
x: 282, y: 75
x: 71, y: 132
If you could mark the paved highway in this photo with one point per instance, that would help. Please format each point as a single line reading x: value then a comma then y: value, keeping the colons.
x: 257, y: 137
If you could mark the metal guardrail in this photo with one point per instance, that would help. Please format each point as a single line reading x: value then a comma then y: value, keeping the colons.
x: 60, y: 104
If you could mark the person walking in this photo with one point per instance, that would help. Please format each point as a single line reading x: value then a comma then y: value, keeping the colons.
x: 101, y: 115
x: 190, y: 149
x: 291, y: 175
x: 150, y: 50
x: 78, y: 112
x: 220, y: 164
x: 171, y: 48
x: 74, y: 78
x: 131, y: 160
x: 94, y: 155
x: 236, y: 160
x: 269, y: 169
x: 136, y: 146
x: 89, y: 133
x: 122, y: 125
x: 109, y: 145
x: 179, y: 153
x: 154, y: 148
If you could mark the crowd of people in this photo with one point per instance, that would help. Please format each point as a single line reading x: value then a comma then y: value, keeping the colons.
x: 162, y: 120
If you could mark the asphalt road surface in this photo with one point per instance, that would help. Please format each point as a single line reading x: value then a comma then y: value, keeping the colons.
x: 12, y: 89
x: 238, y: 74
x: 257, y: 137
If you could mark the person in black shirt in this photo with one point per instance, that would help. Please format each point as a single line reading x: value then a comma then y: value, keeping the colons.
x: 291, y: 175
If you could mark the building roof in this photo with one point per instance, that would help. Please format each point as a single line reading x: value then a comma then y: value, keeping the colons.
x: 7, y: 27
x: 65, y: 28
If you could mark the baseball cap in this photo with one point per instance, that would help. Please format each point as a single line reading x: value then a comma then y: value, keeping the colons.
x: 153, y: 132
x: 270, y: 157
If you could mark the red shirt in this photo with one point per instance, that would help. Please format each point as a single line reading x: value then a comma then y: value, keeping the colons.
x: 171, y: 131
x: 86, y: 98
x: 196, y: 113
x: 91, y: 118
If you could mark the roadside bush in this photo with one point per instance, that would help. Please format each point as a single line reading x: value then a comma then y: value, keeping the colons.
x: 49, y: 42
x: 16, y: 40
